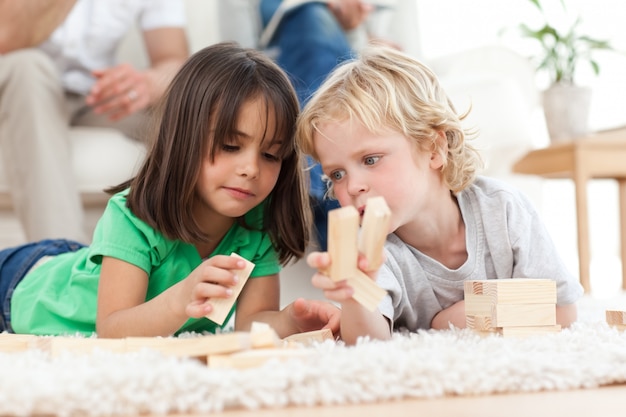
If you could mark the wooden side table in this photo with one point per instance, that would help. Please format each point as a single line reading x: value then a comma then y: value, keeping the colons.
x: 597, y: 155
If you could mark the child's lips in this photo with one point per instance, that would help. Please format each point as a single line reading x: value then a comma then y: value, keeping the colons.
x: 239, y: 192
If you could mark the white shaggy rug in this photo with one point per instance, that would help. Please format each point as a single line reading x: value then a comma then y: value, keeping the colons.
x: 423, y: 365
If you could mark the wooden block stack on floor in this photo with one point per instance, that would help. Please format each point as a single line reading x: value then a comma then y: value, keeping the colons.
x: 511, y: 307
x: 616, y: 319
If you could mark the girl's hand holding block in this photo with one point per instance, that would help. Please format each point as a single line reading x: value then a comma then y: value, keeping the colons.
x: 222, y: 306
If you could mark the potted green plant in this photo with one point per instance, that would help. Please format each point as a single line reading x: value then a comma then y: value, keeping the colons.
x: 566, y: 104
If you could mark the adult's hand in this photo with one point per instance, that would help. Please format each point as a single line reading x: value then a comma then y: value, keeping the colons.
x: 122, y: 90
x: 350, y: 13
x: 119, y: 91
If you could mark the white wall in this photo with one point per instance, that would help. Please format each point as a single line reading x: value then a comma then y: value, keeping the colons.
x: 203, y: 22
x: 447, y: 26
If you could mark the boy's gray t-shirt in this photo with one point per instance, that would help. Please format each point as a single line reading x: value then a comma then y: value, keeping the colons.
x: 505, y: 238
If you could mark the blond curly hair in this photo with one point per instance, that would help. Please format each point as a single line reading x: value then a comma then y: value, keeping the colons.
x: 386, y: 89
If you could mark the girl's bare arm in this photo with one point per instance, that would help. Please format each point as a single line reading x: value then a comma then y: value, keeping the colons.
x: 123, y: 310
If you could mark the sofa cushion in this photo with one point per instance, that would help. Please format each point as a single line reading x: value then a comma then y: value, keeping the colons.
x: 102, y: 157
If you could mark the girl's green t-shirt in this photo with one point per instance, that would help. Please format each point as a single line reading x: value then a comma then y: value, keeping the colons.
x: 60, y: 296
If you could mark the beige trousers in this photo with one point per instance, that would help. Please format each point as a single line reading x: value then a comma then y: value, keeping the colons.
x: 35, y: 115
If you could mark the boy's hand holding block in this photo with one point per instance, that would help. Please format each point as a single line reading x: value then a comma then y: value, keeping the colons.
x: 344, y: 243
x: 222, y: 306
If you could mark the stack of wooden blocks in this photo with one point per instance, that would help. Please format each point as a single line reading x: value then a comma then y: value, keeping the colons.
x: 511, y: 307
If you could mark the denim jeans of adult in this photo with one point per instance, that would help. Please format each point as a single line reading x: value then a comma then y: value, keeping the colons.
x: 17, y: 261
x: 308, y: 44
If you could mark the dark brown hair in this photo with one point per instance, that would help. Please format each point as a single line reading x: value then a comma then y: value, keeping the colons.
x: 198, y: 114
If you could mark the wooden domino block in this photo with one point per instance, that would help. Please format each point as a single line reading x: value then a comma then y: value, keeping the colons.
x: 366, y: 291
x: 514, y: 290
x: 80, y: 345
x: 262, y: 335
x: 200, y: 346
x: 343, y: 228
x: 374, y: 230
x: 525, y: 331
x: 10, y: 342
x: 518, y: 315
x: 616, y: 317
x: 222, y: 306
x: 479, y: 322
x: 477, y: 305
x: 309, y: 338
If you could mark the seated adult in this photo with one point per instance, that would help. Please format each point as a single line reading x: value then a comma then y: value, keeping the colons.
x: 58, y: 69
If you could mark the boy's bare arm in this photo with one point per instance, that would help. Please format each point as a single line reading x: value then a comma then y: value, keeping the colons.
x: 566, y: 314
x: 455, y: 315
x: 27, y: 23
x: 357, y: 321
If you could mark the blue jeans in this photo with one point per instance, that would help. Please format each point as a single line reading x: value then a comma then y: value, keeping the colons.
x: 16, y: 262
x: 309, y: 43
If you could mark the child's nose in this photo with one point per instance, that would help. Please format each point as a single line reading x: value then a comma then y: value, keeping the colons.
x: 248, y: 166
x: 356, y: 184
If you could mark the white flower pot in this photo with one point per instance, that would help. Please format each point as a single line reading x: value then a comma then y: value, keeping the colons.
x: 566, y: 108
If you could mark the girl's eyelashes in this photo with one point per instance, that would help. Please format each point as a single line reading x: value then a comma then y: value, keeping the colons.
x: 271, y: 157
x: 273, y: 152
x: 230, y: 148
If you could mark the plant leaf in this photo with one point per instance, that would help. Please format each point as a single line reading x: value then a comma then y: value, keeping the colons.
x: 537, y: 4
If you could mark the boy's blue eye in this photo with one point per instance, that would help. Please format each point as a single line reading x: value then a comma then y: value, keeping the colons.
x: 337, y: 175
x: 371, y: 160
